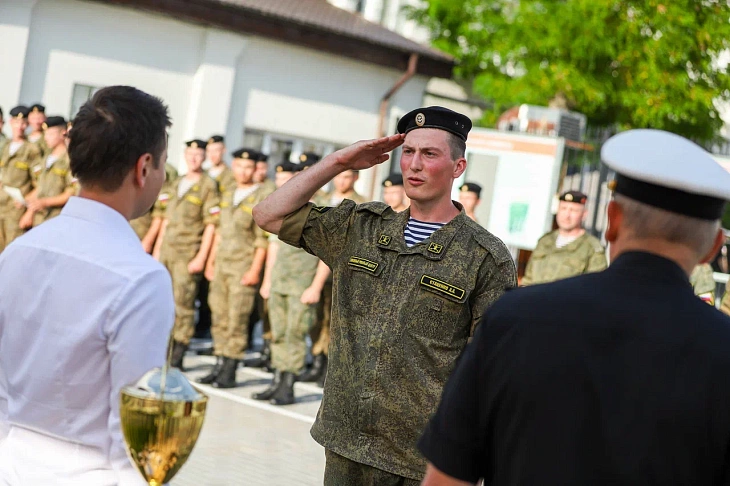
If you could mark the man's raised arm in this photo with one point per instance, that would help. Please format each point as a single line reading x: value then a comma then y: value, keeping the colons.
x: 270, y: 213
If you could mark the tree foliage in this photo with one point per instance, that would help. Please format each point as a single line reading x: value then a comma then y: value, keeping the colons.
x: 650, y: 63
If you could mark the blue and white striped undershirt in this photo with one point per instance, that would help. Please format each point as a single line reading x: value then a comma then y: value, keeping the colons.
x: 417, y: 231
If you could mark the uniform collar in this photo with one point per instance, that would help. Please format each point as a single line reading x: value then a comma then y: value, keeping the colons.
x: 649, y: 266
x: 434, y: 247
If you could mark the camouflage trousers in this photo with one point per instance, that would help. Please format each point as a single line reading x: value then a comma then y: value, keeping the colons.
x: 320, y: 333
x: 184, y: 289
x: 340, y: 471
x: 231, y: 305
x: 10, y: 224
x: 290, y: 320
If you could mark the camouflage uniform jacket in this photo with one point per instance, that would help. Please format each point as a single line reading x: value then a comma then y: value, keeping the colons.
x: 226, y: 181
x: 400, y: 319
x: 549, y: 263
x: 239, y: 234
x: 53, y: 181
x: 703, y: 282
x: 187, y: 216
x: 19, y: 170
x: 3, y: 141
x: 42, y: 146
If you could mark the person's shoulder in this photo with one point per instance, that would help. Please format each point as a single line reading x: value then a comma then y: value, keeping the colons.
x: 208, y: 183
x: 548, y: 238
x: 373, y: 207
x: 491, y: 243
x: 593, y: 242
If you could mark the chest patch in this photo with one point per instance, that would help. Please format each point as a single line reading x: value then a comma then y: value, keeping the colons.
x: 435, y: 248
x: 363, y: 263
x: 442, y: 287
x: 384, y: 240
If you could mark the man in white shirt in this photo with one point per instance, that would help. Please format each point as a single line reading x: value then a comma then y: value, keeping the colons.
x: 84, y: 311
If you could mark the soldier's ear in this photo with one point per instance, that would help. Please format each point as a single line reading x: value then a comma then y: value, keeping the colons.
x: 719, y: 241
x: 615, y: 217
x: 142, y: 169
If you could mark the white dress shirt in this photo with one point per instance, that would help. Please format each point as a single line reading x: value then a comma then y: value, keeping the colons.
x: 84, y: 311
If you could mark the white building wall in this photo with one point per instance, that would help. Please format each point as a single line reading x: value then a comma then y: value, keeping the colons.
x: 213, y: 81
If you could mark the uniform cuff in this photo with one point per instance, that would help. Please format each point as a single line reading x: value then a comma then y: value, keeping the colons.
x: 449, y: 457
x: 293, y: 226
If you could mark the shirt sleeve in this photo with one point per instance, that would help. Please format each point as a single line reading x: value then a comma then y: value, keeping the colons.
x: 320, y: 230
x: 212, y: 208
x: 137, y: 334
x: 496, y: 279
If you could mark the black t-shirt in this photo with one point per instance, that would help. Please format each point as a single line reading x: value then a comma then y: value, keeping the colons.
x: 618, y: 377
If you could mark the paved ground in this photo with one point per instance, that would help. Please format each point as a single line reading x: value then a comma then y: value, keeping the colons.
x: 250, y: 442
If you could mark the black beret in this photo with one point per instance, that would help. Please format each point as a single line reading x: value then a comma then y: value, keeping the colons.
x: 393, y: 180
x: 309, y: 158
x: 216, y: 139
x: 196, y: 143
x: 287, y: 166
x: 574, y: 196
x: 262, y: 157
x: 246, y: 153
x: 436, y: 117
x: 471, y: 187
x: 54, y: 121
x: 20, y: 112
x: 37, y: 108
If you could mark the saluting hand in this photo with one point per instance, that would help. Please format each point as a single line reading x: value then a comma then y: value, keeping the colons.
x: 367, y: 153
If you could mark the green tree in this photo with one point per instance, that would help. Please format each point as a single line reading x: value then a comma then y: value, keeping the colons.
x: 631, y: 64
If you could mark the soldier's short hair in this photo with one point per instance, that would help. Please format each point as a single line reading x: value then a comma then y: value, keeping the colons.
x: 111, y: 131
x: 457, y: 146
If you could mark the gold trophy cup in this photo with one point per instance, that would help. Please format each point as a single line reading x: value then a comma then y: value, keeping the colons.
x: 161, y: 417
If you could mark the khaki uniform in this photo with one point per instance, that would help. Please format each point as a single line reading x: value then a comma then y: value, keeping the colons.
x: 53, y: 181
x: 42, y: 146
x: 3, y: 141
x: 142, y: 224
x: 19, y: 170
x: 226, y: 181
x: 320, y: 333
x: 549, y: 263
x: 291, y: 275
x: 187, y: 218
x: 232, y: 303
x: 703, y: 282
x: 402, y: 318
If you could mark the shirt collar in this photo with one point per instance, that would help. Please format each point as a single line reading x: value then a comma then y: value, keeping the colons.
x: 98, y: 213
x: 650, y: 266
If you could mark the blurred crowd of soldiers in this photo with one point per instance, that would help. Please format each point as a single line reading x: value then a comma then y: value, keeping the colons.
x: 202, y: 229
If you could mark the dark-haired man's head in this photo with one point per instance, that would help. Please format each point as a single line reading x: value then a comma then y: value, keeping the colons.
x: 118, y: 148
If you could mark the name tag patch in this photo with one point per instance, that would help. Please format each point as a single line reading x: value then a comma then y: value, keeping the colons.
x: 442, y: 287
x: 363, y: 263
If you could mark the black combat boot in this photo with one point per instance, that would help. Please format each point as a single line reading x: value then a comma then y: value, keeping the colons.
x: 320, y: 381
x: 210, y: 377
x: 178, y: 352
x: 313, y: 373
x: 269, y: 392
x: 264, y: 359
x: 284, y: 395
x: 227, y: 376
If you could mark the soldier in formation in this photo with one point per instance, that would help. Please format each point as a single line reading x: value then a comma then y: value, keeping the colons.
x: 569, y: 250
x: 469, y: 196
x: 36, y: 119
x: 394, y: 194
x: 185, y: 240
x: 234, y: 268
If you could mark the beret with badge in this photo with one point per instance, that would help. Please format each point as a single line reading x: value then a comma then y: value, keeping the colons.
x: 246, y: 153
x: 436, y: 117
x: 262, y: 157
x: 54, y: 121
x: 196, y: 143
x: 19, y: 111
x: 287, y: 166
x: 216, y: 139
x: 393, y: 180
x: 573, y: 196
x: 666, y: 171
x: 37, y: 108
x: 308, y: 159
x: 471, y: 187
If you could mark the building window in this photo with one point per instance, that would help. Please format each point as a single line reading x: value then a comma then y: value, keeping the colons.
x: 81, y: 94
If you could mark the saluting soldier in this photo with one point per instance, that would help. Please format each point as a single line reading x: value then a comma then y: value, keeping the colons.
x: 20, y: 163
x: 394, y: 194
x: 470, y: 194
x: 234, y: 268
x: 147, y: 227
x: 343, y: 188
x: 185, y: 240
x: 36, y: 119
x: 410, y: 288
x: 55, y: 182
x: 569, y: 250
x: 293, y: 285
x: 703, y: 282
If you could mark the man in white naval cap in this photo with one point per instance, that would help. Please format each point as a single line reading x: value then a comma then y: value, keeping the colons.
x: 615, y: 377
